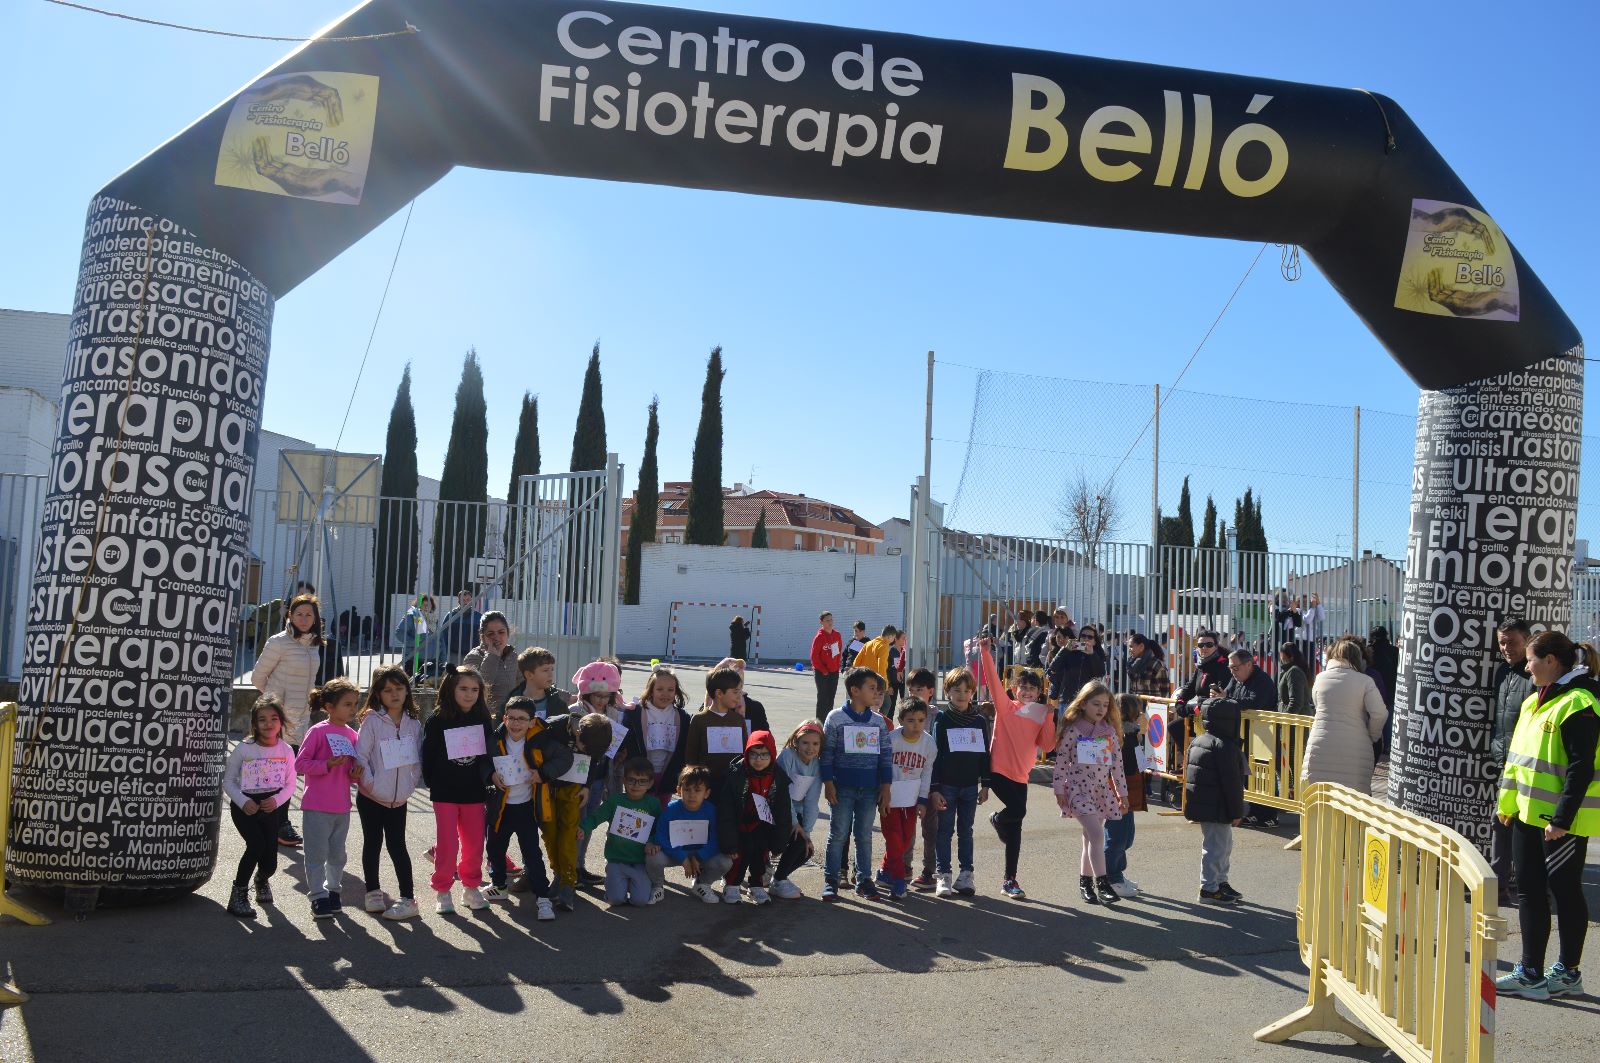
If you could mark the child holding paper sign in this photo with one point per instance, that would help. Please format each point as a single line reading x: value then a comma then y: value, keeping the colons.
x: 1024, y: 726
x: 856, y: 770
x: 632, y: 817
x: 389, y: 751
x: 1089, y: 782
x: 588, y: 736
x: 456, y: 767
x: 801, y: 760
x: 960, y: 779
x: 754, y: 817
x: 526, y: 752
x: 686, y: 836
x: 658, y: 729
x: 912, y: 750
x: 717, y: 732
x: 1119, y: 832
x: 259, y: 781
x: 327, y: 760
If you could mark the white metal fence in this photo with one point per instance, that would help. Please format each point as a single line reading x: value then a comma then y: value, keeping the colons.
x: 547, y: 561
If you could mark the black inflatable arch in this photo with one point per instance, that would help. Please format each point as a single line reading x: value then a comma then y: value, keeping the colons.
x: 139, y: 575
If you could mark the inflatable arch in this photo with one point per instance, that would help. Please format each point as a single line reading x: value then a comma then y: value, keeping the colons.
x: 128, y: 661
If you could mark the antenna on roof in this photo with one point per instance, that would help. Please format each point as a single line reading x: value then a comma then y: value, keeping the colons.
x: 752, y: 480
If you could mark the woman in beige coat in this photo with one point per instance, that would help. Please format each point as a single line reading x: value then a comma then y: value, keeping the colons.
x: 1348, y: 718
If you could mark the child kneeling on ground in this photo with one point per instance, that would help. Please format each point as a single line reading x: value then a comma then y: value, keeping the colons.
x: 631, y: 816
x: 1213, y: 785
x: 686, y: 836
x: 754, y: 817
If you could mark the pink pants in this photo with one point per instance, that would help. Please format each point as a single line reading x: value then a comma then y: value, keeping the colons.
x: 450, y: 823
x: 1094, y: 845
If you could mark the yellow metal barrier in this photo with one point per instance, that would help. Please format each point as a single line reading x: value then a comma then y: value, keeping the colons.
x: 1396, y: 922
x: 1274, y: 745
x: 10, y: 994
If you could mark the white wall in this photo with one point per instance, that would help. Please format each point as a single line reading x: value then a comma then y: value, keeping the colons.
x: 791, y: 586
x: 27, y: 431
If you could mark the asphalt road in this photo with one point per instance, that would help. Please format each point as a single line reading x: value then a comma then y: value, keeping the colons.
x: 990, y: 978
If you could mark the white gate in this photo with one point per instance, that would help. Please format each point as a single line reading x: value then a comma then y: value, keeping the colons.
x: 561, y: 580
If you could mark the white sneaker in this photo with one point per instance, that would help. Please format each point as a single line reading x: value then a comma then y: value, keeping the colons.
x: 1125, y: 888
x: 1132, y: 883
x: 732, y: 895
x: 443, y: 903
x: 707, y: 893
x: 404, y: 908
x: 547, y: 911
x: 474, y: 899
x: 759, y: 895
x: 491, y: 892
x: 658, y: 894
x: 963, y: 884
x: 941, y: 887
x: 783, y: 889
x: 376, y: 901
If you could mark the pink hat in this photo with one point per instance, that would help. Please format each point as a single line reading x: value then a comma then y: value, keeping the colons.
x: 597, y: 677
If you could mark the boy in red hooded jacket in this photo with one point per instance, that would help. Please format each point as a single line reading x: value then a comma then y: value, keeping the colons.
x: 754, y: 817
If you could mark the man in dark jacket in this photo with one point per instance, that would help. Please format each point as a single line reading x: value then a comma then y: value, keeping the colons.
x: 1512, y: 685
x: 1251, y: 688
x: 1385, y: 660
x: 1213, y: 792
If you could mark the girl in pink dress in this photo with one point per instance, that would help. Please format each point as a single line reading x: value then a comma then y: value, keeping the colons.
x: 1089, y: 782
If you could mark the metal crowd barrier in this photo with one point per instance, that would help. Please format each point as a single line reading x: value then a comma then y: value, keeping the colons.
x: 1274, y: 744
x: 1397, y: 923
x: 10, y: 994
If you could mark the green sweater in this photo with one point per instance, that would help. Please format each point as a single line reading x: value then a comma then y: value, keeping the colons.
x: 621, y: 850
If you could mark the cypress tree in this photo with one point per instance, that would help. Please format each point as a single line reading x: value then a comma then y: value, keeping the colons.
x: 705, y: 475
x: 588, y: 454
x: 642, y: 528
x: 524, y: 462
x: 394, y: 549
x: 1185, y: 517
x: 758, y: 538
x: 458, y: 528
x: 1208, y: 529
x: 589, y: 436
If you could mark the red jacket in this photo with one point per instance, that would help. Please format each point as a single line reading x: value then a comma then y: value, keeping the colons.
x: 825, y: 661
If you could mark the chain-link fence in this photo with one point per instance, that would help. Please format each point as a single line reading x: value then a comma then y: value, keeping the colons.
x: 1322, y: 475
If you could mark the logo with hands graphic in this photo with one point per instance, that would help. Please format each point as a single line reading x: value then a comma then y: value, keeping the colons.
x: 305, y: 135
x: 1457, y: 264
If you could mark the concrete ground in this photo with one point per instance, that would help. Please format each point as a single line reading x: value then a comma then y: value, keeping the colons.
x: 989, y: 978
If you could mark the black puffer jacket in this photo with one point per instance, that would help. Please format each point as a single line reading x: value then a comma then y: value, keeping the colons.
x: 1213, y: 777
x: 731, y: 801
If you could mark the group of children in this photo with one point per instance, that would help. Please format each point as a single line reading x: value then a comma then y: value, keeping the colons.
x: 709, y: 793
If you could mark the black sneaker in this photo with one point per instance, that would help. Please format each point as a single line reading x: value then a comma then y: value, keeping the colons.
x: 1268, y: 822
x: 1216, y: 896
x: 1229, y: 892
x: 287, y: 835
x: 589, y: 878
x: 321, y: 908
x: 334, y: 902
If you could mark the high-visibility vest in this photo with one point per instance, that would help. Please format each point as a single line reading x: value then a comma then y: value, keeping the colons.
x: 1536, y: 764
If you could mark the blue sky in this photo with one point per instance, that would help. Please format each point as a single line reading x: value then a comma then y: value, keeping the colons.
x: 826, y: 311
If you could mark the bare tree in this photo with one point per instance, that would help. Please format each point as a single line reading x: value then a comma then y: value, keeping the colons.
x: 1088, y: 514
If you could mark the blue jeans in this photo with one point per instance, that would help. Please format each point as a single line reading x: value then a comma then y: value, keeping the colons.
x: 856, y: 811
x: 1119, y: 839
x: 960, y: 805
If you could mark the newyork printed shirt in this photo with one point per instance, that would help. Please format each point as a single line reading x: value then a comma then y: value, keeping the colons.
x: 914, y: 760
